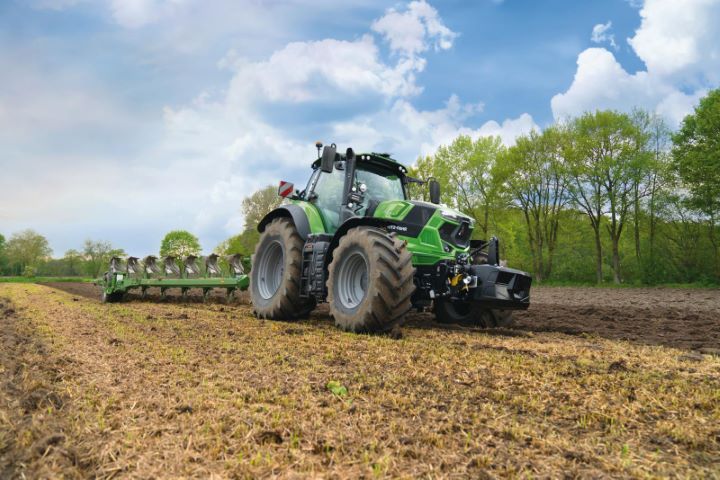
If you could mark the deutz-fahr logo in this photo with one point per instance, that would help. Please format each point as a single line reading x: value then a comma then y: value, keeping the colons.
x: 399, y: 228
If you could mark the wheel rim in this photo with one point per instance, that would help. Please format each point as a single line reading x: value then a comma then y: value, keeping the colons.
x: 270, y: 270
x: 352, y: 280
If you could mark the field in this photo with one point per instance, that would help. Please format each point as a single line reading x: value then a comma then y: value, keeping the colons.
x: 588, y: 383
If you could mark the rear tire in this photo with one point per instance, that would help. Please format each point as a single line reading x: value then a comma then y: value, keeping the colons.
x: 275, y: 276
x: 370, y: 281
x: 467, y: 313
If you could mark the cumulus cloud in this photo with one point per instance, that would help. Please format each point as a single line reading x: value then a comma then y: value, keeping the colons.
x: 407, y: 132
x: 137, y: 13
x: 680, y: 47
x: 320, y: 70
x: 680, y: 40
x: 414, y: 30
x: 509, y: 130
x: 601, y: 34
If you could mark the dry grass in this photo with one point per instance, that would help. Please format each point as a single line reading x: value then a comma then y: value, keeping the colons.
x: 142, y: 390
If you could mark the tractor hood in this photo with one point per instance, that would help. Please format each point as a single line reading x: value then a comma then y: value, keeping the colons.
x: 447, y: 212
x: 409, y: 217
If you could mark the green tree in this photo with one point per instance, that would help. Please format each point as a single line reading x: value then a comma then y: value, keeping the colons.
x: 243, y: 244
x: 73, y: 261
x: 27, y: 249
x: 97, y: 256
x: 653, y: 176
x: 534, y: 172
x: 464, y: 170
x: 180, y: 244
x: 259, y: 204
x: 3, y: 255
x: 424, y: 169
x: 696, y: 155
x: 605, y: 167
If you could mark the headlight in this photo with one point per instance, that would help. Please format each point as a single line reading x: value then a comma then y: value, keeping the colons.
x: 453, y: 217
x: 448, y: 215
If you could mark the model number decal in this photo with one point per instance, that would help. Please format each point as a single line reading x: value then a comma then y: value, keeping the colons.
x: 399, y: 228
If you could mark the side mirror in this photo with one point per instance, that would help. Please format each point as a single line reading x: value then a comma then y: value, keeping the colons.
x: 328, y: 158
x: 434, y: 191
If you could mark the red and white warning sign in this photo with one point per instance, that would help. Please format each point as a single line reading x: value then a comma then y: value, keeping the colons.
x: 285, y: 189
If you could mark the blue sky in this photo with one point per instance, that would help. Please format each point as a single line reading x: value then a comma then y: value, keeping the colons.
x: 123, y: 119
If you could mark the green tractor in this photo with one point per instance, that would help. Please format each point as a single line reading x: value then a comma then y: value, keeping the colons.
x: 353, y: 238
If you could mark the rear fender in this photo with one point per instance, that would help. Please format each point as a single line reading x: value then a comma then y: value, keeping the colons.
x: 293, y: 212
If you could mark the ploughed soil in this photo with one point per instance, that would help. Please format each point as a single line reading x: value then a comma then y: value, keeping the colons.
x: 673, y: 317
x: 587, y: 383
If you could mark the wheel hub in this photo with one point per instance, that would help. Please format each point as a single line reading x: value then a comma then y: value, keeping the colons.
x: 270, y: 270
x: 352, y: 280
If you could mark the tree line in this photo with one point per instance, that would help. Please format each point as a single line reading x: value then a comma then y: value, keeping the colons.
x: 28, y: 253
x: 606, y: 196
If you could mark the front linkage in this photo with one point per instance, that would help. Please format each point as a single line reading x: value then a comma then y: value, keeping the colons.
x: 476, y: 277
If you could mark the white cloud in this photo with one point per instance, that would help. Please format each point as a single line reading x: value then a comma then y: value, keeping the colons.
x: 321, y: 70
x: 407, y: 132
x: 601, y: 33
x: 404, y: 130
x: 414, y: 30
x: 680, y: 39
x: 510, y: 129
x: 137, y: 13
x: 680, y: 46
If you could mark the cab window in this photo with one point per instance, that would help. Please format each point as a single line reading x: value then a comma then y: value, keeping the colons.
x: 328, y: 197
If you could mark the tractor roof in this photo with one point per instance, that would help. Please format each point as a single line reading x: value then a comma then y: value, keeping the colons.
x: 374, y: 158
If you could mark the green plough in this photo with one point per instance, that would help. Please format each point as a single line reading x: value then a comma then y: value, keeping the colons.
x: 203, y: 273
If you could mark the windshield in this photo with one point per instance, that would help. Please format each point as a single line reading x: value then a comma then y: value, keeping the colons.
x: 381, y: 185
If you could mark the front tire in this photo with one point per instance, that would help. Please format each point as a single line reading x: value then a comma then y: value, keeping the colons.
x: 370, y: 281
x: 469, y: 313
x: 275, y: 276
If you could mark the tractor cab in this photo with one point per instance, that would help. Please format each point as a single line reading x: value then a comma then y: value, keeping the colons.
x: 354, y: 187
